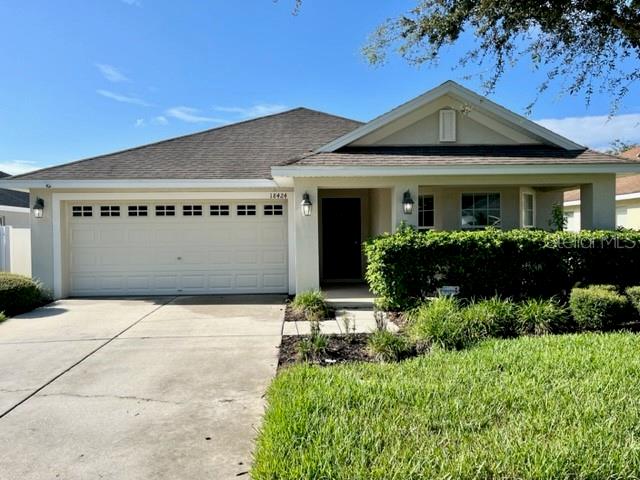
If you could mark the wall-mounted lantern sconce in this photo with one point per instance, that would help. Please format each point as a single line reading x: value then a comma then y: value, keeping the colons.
x: 407, y: 203
x: 38, y: 208
x: 306, y: 205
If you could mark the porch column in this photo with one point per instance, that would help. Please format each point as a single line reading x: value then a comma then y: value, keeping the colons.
x: 397, y: 211
x: 598, y: 204
x: 544, y: 203
x: 307, y: 265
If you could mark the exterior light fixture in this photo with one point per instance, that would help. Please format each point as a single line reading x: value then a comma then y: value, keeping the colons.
x: 407, y: 203
x: 38, y: 208
x: 306, y: 205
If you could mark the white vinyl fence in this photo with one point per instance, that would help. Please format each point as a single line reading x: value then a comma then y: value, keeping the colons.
x: 15, y: 250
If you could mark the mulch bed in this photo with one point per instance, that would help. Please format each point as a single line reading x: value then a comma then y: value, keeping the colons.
x: 340, y: 349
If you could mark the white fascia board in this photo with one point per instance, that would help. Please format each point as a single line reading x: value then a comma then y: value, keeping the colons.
x: 9, y: 208
x: 361, y: 171
x: 466, y: 95
x: 619, y: 198
x: 138, y: 183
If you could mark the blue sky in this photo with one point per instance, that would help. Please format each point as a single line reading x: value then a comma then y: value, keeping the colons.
x: 79, y: 78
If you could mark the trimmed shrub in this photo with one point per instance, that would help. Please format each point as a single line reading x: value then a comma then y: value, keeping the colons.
x: 539, y: 317
x: 597, y: 308
x: 633, y: 293
x: 386, y: 346
x: 441, y: 322
x: 3, y: 317
x: 19, y: 294
x: 495, y: 316
x: 311, y: 304
x: 406, y: 267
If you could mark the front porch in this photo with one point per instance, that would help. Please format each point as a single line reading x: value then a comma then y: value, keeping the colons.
x: 345, y: 212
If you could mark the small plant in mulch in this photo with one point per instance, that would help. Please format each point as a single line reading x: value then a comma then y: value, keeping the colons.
x: 338, y: 349
x: 311, y: 348
x: 308, y: 305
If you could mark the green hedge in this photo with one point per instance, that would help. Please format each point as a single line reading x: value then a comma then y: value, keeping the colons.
x: 598, y: 307
x: 407, y: 266
x: 19, y: 294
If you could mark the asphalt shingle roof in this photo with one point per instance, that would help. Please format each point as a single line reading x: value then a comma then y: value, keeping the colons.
x: 244, y: 150
x: 453, y: 155
x: 624, y: 185
x: 12, y: 198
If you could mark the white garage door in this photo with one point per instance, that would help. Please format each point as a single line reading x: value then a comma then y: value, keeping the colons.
x: 169, y: 247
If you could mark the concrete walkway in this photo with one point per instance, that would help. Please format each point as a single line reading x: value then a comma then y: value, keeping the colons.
x: 160, y: 388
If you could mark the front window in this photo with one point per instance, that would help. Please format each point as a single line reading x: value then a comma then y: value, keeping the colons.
x: 481, y: 210
x: 528, y: 214
x: 425, y: 211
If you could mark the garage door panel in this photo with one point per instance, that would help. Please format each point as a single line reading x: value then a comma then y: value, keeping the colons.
x: 173, y: 255
x: 221, y: 281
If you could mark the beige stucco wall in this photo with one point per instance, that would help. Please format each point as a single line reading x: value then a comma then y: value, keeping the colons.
x: 380, y: 211
x: 421, y: 127
x: 385, y: 212
x: 42, y: 240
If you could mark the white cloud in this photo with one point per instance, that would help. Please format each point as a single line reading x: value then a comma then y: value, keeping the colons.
x: 598, y: 131
x: 139, y: 123
x: 160, y: 120
x: 16, y: 167
x: 111, y: 73
x: 259, y: 110
x: 191, y: 115
x: 134, y: 3
x: 123, y: 98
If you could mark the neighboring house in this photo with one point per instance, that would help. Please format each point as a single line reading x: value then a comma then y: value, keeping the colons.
x: 282, y: 203
x: 627, y: 199
x: 14, y: 207
x: 15, y: 236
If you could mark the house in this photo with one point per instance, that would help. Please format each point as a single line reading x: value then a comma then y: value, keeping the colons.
x: 282, y: 203
x: 627, y: 200
x: 14, y: 207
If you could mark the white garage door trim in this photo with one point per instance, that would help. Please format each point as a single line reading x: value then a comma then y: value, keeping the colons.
x: 268, y: 285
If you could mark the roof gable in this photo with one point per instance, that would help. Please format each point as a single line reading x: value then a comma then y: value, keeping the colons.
x: 481, y: 121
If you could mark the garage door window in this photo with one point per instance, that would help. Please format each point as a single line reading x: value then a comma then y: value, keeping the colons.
x: 192, y: 210
x: 109, y: 211
x: 271, y: 210
x: 138, y: 210
x: 246, y: 210
x: 82, y: 210
x: 165, y: 210
x: 219, y: 210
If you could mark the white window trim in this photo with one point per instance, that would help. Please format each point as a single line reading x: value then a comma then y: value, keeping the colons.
x: 480, y: 192
x: 427, y: 227
x: 524, y: 211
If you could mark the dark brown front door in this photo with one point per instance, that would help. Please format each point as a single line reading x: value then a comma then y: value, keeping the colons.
x: 341, y: 239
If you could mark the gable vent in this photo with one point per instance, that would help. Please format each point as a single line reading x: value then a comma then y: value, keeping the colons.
x: 447, y: 125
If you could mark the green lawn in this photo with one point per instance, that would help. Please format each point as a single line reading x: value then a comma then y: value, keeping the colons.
x: 543, y: 407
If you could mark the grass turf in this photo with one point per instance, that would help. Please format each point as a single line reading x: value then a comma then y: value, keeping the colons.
x: 534, y: 407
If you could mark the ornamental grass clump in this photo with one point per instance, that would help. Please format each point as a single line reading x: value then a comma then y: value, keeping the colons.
x: 542, y: 316
x: 311, y: 304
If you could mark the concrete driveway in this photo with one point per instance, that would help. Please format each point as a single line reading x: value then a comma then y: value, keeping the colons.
x: 147, y: 388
